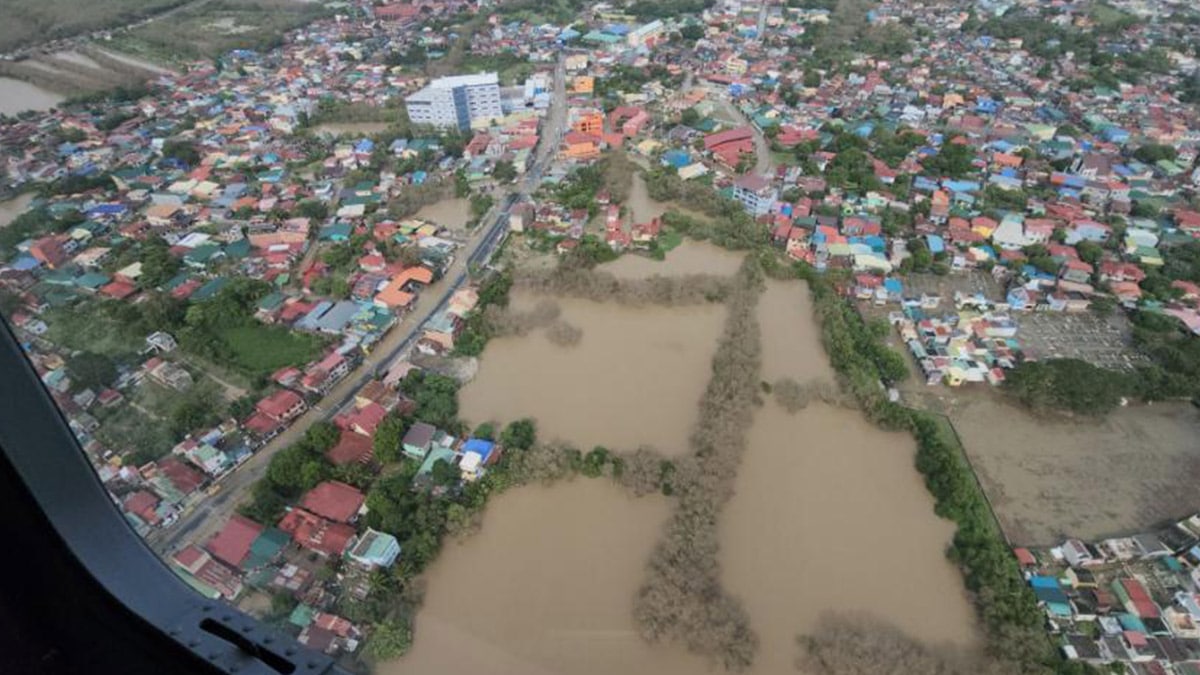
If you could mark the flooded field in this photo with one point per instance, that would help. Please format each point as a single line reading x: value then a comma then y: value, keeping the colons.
x: 634, y: 379
x: 12, y: 208
x: 1049, y: 478
x: 690, y: 257
x: 350, y: 128
x: 17, y: 96
x: 642, y: 208
x: 790, y: 338
x: 451, y: 213
x: 830, y: 515
x: 545, y: 587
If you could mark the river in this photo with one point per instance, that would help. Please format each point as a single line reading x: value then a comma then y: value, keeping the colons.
x: 634, y: 379
x: 14, y: 207
x: 18, y: 96
x: 828, y: 513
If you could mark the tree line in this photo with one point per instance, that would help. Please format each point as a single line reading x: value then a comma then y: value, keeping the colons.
x: 682, y: 599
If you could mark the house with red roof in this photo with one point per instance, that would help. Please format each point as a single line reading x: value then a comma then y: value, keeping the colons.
x: 333, y: 500
x: 351, y: 448
x: 208, y: 574
x: 181, y: 475
x: 728, y: 146
x: 362, y: 420
x: 317, y: 534
x: 231, y: 544
x: 144, y: 505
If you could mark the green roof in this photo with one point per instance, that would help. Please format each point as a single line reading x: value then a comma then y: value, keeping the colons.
x: 176, y: 281
x: 238, y: 249
x: 210, y: 289
x: 202, y: 254
x: 265, y: 547
x: 302, y: 615
x: 271, y: 301
x: 92, y: 280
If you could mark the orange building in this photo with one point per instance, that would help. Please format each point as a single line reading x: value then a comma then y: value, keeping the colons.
x: 591, y: 123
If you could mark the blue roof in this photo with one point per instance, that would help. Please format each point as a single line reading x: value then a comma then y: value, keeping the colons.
x: 480, y: 446
x: 1044, y: 582
x: 677, y: 158
x: 935, y: 243
x: 892, y: 285
x: 365, y: 145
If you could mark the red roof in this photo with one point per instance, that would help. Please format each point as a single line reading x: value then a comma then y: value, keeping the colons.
x: 315, y: 533
x: 351, y: 448
x: 232, y: 544
x: 185, y: 478
x: 333, y: 500
x: 712, y: 141
x: 278, y: 404
x: 142, y: 505
x: 1024, y: 557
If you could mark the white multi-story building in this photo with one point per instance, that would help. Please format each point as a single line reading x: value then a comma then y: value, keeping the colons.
x: 456, y: 101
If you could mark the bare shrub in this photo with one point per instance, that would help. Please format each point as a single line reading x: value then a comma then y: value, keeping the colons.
x: 642, y: 471
x: 563, y: 334
x: 794, y: 397
x: 600, y: 286
x: 854, y: 644
x: 504, y: 321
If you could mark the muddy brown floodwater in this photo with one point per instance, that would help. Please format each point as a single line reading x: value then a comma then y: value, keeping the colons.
x: 17, y: 96
x: 690, y: 257
x: 449, y: 213
x: 546, y: 586
x: 14, y: 207
x: 634, y: 379
x: 828, y: 514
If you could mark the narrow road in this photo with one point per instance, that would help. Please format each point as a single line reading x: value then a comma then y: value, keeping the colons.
x: 201, y: 520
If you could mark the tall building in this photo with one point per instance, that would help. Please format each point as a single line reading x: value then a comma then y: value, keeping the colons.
x: 456, y: 101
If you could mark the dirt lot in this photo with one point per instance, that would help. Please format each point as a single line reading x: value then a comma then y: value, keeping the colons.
x: 1052, y: 478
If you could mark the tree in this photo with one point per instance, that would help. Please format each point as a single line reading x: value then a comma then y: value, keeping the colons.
x: 1067, y: 384
x: 689, y: 117
x: 390, y: 639
x: 243, y: 407
x: 485, y: 431
x: 504, y: 171
x: 158, y: 265
x: 388, y: 436
x: 519, y: 435
x: 90, y: 370
x: 1089, y: 251
x: 1154, y: 152
x: 692, y: 32
x: 313, y: 209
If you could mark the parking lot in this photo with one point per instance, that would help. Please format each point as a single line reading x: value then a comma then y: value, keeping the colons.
x: 1101, y: 341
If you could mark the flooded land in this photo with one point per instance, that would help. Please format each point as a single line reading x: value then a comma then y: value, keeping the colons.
x: 690, y: 257
x: 545, y: 587
x: 634, y: 379
x: 790, y: 338
x: 14, y: 207
x: 1051, y: 477
x: 17, y: 96
x: 828, y: 512
x: 449, y: 213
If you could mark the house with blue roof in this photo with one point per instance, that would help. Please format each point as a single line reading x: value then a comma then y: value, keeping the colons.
x: 477, y: 454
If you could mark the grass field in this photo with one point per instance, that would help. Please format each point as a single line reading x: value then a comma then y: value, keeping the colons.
x: 262, y: 350
x: 217, y: 27
x: 30, y: 21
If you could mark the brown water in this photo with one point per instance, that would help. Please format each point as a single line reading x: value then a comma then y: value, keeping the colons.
x: 545, y: 587
x: 451, y: 213
x: 790, y: 337
x: 690, y: 257
x: 634, y: 379
x: 641, y: 206
x: 828, y: 514
x: 18, y: 96
x: 14, y: 207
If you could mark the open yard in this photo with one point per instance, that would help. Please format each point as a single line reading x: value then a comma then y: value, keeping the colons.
x: 262, y: 349
x: 31, y: 21
x: 1101, y: 341
x: 1049, y: 478
x: 217, y: 27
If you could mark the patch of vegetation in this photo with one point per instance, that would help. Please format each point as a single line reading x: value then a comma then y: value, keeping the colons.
x: 260, y: 350
x: 1067, y: 384
x: 28, y: 22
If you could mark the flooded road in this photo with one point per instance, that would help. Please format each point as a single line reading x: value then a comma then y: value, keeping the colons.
x: 450, y: 213
x: 690, y: 257
x: 14, y: 207
x: 17, y: 96
x: 545, y: 587
x: 641, y: 207
x: 634, y: 379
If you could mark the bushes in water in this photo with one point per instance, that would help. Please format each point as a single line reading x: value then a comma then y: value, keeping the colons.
x: 599, y: 286
x: 682, y: 598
